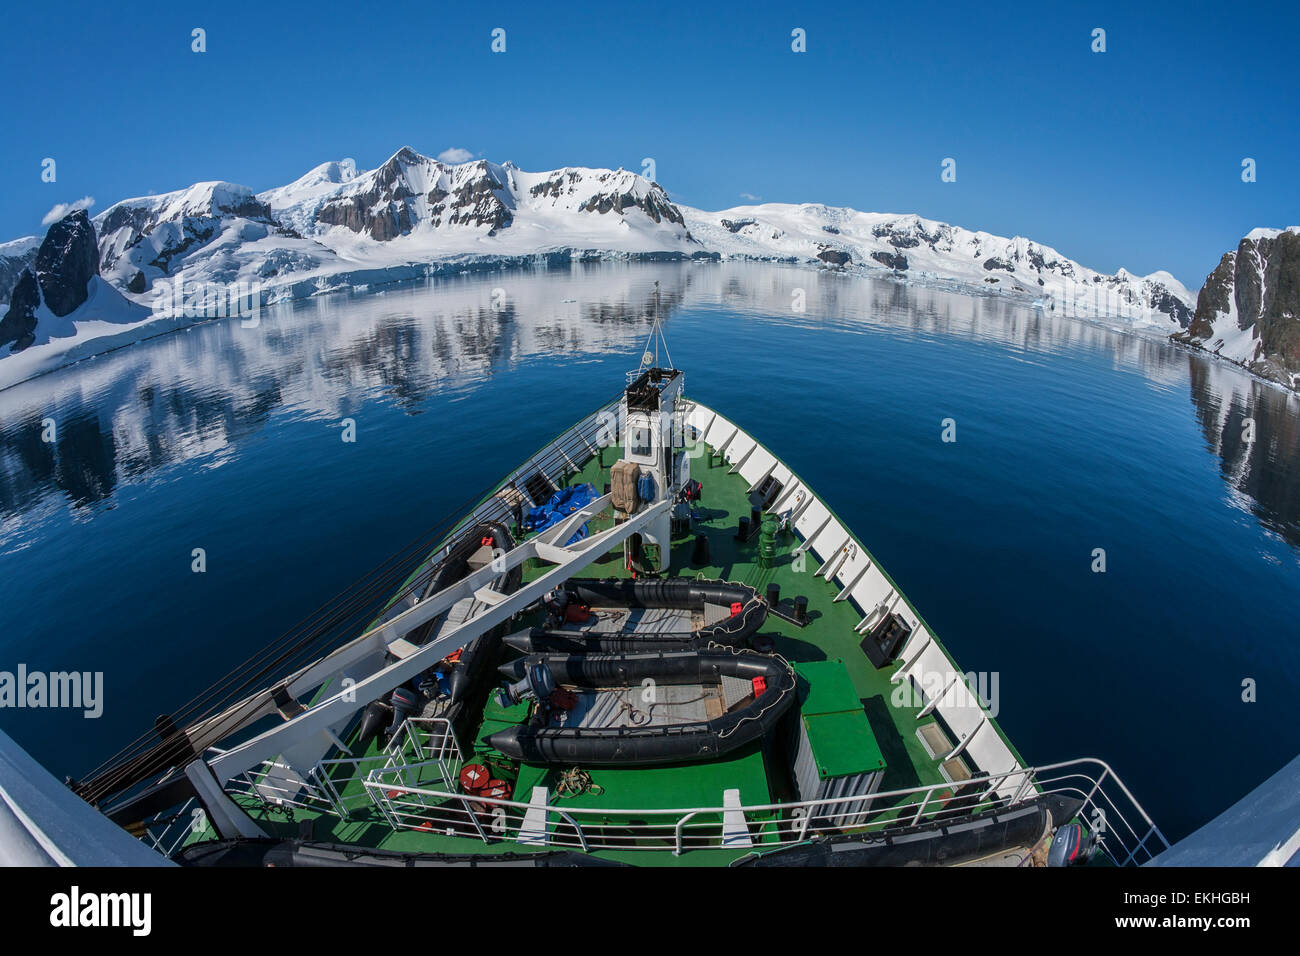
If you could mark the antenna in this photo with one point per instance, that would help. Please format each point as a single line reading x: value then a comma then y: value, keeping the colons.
x: 650, y: 359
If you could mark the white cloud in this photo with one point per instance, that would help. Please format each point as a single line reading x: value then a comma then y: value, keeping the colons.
x: 455, y: 155
x: 62, y: 209
x: 750, y: 196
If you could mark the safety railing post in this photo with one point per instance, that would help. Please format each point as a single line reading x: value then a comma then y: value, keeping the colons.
x: 474, y: 819
x: 803, y: 824
x: 677, y: 833
x: 921, y: 809
x: 423, y: 804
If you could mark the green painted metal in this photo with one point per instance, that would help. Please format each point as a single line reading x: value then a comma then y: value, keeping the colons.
x: 847, y: 705
x: 825, y: 687
x: 767, y: 541
x: 664, y: 787
x: 843, y: 744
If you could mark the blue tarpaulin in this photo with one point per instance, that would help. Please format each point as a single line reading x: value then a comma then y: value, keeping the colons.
x: 563, y: 503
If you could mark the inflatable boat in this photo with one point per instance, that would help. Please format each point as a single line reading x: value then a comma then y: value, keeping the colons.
x: 728, y: 614
x: 769, y: 694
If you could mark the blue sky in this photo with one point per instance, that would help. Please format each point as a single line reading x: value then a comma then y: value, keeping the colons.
x: 1130, y: 157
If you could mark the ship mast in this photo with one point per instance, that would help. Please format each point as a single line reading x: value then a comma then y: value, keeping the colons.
x: 654, y: 457
x: 649, y: 358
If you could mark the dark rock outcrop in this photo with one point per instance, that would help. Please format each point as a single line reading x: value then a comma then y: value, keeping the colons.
x: 60, y: 276
x: 1162, y: 300
x: 907, y: 235
x: 563, y: 182
x: 480, y: 202
x: 19, y: 323
x: 1216, y: 296
x: 1255, y: 289
x: 14, y: 258
x: 890, y: 260
x: 835, y: 257
x: 654, y: 204
x: 66, y: 262
x: 410, y: 190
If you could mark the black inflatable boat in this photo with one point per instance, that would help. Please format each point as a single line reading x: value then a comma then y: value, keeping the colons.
x: 773, y: 689
x: 738, y: 612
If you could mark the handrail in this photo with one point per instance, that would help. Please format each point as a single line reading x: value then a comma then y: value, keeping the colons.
x: 685, y: 822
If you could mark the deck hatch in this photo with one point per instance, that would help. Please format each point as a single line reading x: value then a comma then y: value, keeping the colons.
x: 836, y: 752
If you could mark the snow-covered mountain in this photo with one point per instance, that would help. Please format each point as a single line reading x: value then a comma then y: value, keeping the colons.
x: 1248, y: 311
x: 338, y: 227
x: 908, y: 244
x: 431, y: 206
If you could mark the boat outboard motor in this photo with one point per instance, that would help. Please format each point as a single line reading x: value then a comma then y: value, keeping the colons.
x: 405, y: 703
x: 557, y: 605
x: 537, y: 684
x: 373, y: 722
x: 1070, y: 847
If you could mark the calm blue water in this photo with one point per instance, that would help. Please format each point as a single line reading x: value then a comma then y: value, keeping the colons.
x: 1070, y: 437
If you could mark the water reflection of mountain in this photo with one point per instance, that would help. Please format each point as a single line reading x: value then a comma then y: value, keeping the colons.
x: 199, y: 393
x: 1265, y: 472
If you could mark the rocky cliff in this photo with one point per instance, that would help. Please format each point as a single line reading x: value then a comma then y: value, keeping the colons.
x: 1248, y: 311
x: 58, y: 279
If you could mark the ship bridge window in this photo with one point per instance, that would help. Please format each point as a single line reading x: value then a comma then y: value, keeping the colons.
x: 641, y: 441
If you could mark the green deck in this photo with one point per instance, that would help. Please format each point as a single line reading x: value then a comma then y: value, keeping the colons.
x: 826, y: 688
x: 666, y: 788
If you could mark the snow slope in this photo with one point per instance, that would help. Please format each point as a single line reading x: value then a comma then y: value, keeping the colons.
x: 105, y: 320
x: 909, y: 244
x: 339, y: 227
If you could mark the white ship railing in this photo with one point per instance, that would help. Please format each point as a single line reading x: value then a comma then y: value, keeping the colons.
x: 167, y: 832
x: 1109, y: 811
x: 420, y: 744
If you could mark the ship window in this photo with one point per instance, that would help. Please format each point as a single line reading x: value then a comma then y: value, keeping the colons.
x: 641, y: 442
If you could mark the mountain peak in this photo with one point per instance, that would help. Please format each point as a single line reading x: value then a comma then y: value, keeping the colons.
x: 337, y: 225
x: 334, y: 171
x: 407, y: 156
